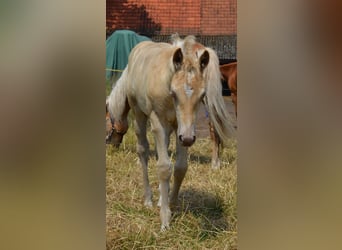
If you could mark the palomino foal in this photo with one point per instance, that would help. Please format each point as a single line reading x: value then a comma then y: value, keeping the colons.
x: 166, y: 83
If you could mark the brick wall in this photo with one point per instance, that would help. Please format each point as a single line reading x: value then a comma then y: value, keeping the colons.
x: 218, y: 17
x: 199, y: 17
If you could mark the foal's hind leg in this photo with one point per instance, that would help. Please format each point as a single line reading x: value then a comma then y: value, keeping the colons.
x: 180, y: 170
x: 143, y: 153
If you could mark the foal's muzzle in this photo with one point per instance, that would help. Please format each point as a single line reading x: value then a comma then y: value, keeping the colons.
x: 187, y: 141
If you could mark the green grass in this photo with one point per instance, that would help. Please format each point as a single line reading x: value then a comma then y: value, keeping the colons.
x: 206, y: 217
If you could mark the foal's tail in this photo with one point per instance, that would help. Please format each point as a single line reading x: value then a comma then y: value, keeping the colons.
x: 118, y: 106
x: 214, y: 102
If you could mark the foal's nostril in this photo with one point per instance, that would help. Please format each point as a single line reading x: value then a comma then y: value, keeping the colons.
x: 180, y: 138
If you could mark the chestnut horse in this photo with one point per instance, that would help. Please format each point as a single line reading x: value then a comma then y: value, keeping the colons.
x: 115, y: 130
x: 166, y: 83
x: 229, y: 73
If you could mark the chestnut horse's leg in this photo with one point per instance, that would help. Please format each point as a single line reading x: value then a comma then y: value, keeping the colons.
x: 215, y: 160
x: 143, y: 153
x: 162, y: 131
x: 232, y: 83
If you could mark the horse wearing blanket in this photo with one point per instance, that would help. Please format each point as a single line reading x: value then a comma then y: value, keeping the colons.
x: 166, y: 83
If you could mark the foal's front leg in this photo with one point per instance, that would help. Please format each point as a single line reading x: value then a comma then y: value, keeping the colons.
x: 161, y: 134
x: 180, y: 170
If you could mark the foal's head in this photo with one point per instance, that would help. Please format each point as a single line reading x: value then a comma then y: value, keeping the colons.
x: 188, y: 88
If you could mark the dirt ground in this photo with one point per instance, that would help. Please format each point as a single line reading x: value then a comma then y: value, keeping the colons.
x: 202, y: 125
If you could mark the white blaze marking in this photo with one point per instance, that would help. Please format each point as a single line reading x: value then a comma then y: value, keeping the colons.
x: 188, y: 90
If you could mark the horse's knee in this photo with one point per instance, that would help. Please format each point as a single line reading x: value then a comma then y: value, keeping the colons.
x: 164, y: 170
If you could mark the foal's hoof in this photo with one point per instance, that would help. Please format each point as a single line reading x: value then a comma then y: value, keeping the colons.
x: 148, y: 204
x: 164, y: 228
x: 216, y: 165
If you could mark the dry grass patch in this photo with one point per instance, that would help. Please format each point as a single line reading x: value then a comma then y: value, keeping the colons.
x: 206, y: 217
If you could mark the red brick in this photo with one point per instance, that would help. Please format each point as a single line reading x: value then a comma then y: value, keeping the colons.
x: 201, y: 16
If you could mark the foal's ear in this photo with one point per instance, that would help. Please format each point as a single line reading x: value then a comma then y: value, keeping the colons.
x: 204, y: 60
x: 177, y: 59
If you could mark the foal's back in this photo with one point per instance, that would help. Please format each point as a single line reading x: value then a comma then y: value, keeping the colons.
x: 149, y: 74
